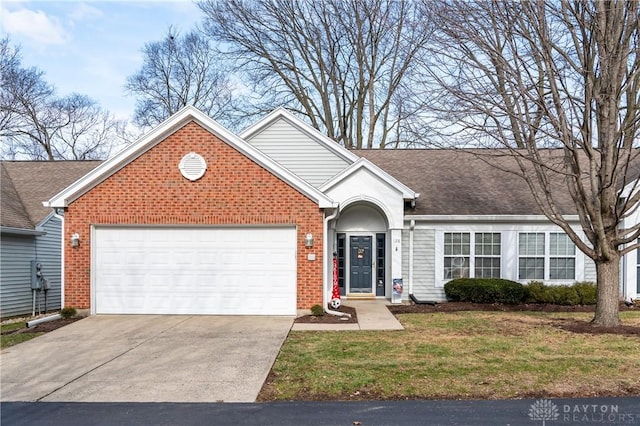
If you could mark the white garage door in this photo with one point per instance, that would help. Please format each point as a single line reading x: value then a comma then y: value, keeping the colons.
x: 211, y: 271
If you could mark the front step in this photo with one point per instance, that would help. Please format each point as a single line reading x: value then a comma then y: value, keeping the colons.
x: 360, y: 296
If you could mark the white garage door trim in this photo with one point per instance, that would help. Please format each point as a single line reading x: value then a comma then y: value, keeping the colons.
x: 193, y: 270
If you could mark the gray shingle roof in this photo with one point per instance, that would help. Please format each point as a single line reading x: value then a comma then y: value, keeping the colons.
x: 26, y: 184
x: 456, y: 182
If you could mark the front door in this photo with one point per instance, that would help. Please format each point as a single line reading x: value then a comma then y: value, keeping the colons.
x: 360, y: 258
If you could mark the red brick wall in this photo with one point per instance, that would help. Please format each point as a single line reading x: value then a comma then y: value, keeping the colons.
x: 150, y: 190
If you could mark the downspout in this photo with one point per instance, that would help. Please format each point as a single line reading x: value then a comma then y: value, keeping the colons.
x: 326, y: 273
x: 62, y: 259
x: 415, y: 300
x: 412, y: 226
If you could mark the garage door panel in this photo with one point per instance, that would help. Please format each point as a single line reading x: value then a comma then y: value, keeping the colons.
x: 217, y: 271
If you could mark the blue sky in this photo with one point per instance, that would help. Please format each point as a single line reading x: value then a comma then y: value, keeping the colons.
x: 91, y: 47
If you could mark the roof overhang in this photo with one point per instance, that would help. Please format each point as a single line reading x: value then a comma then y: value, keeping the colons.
x: 363, y: 163
x: 164, y: 130
x: 21, y: 231
x: 477, y: 218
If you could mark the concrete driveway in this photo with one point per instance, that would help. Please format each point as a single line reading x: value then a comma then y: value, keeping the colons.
x: 146, y: 358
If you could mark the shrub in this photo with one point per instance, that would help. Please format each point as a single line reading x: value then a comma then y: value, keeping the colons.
x: 535, y: 292
x: 68, y: 312
x: 484, y: 290
x: 564, y: 295
x: 317, y: 311
x: 582, y: 293
x: 587, y: 292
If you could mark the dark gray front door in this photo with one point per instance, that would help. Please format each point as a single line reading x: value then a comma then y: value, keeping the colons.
x: 360, y: 264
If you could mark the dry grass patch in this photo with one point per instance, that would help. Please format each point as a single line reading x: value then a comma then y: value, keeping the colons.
x: 458, y: 355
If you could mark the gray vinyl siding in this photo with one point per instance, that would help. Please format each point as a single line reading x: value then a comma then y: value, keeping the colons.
x: 298, y: 152
x: 423, y: 264
x: 16, y: 253
x: 50, y: 257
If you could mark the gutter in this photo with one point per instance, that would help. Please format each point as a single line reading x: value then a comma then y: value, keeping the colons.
x: 20, y: 231
x: 486, y: 218
x: 325, y: 278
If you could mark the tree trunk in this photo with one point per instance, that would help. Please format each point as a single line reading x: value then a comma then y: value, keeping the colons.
x: 608, y: 297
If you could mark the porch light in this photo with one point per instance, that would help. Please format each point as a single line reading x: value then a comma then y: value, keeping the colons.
x: 75, y: 240
x: 308, y: 240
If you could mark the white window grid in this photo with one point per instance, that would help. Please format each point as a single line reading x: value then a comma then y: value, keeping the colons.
x: 472, y: 254
x: 546, y: 256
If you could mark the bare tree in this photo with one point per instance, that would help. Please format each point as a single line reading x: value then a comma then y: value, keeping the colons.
x: 35, y: 124
x: 340, y: 63
x: 527, y: 76
x: 177, y: 71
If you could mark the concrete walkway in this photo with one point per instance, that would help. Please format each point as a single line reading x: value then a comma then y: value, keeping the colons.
x: 372, y: 315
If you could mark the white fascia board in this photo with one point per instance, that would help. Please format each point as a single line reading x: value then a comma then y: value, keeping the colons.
x: 486, y: 218
x: 407, y: 193
x: 161, y: 132
x: 326, y: 141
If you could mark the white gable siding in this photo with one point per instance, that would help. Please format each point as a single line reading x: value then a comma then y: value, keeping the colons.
x: 298, y: 152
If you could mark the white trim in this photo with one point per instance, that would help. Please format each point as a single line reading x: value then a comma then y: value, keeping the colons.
x: 475, y: 219
x: 310, y: 131
x: 92, y: 272
x: 161, y: 132
x: 363, y: 163
x: 347, y: 266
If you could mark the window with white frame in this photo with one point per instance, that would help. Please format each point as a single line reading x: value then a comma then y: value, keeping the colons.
x: 487, y: 255
x: 562, y: 257
x: 469, y: 254
x: 531, y: 256
x: 457, y: 252
x: 546, y: 256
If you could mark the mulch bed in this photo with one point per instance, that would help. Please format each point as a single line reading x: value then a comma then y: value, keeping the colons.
x: 45, y: 327
x: 330, y: 319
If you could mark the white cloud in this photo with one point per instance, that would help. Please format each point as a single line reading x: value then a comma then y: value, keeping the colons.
x: 34, y: 26
x: 85, y: 11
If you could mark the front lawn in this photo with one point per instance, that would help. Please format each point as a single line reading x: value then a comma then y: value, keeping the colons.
x: 468, y: 355
x: 12, y: 334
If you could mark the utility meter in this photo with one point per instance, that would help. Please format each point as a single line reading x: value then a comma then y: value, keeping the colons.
x: 36, y: 275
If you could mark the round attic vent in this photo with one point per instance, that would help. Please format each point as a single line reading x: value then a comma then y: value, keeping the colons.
x: 192, y: 166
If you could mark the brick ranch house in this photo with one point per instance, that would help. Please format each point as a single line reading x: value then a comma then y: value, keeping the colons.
x: 193, y: 219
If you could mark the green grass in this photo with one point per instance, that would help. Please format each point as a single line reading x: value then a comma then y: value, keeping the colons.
x: 8, y: 340
x: 458, y: 355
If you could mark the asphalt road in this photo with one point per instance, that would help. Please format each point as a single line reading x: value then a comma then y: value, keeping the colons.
x: 552, y: 412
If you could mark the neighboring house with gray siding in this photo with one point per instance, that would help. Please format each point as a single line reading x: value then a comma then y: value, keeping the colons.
x: 29, y: 231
